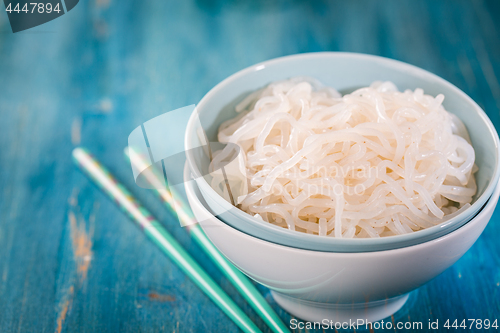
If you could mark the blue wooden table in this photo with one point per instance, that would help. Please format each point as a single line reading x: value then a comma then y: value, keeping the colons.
x: 70, y: 261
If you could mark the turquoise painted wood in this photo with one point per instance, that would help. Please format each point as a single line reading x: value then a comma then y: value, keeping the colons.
x: 70, y: 261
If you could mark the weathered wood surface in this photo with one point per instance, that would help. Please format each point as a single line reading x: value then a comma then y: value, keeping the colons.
x: 70, y: 261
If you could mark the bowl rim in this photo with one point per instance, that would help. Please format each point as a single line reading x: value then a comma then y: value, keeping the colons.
x: 478, y: 204
x: 490, y: 204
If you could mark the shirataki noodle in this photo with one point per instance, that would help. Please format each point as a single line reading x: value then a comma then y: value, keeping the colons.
x: 372, y: 163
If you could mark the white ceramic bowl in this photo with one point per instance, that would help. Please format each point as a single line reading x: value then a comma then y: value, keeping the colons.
x: 314, y: 285
x: 345, y: 72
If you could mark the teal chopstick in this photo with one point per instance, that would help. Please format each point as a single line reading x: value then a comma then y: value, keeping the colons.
x: 161, y: 237
x: 238, y: 279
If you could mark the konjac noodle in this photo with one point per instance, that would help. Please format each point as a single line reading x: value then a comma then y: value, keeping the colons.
x: 372, y: 163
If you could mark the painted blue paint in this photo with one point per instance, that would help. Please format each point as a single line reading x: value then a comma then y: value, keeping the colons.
x: 106, y: 67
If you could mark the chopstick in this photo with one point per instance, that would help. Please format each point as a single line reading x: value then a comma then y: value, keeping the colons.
x: 161, y: 237
x: 238, y: 279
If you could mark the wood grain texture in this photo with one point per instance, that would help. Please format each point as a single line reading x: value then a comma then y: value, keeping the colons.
x: 70, y: 261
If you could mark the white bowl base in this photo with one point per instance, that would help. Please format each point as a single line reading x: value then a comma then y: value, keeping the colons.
x: 317, y: 312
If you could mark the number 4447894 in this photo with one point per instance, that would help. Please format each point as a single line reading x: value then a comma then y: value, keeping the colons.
x: 472, y: 323
x: 39, y: 7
